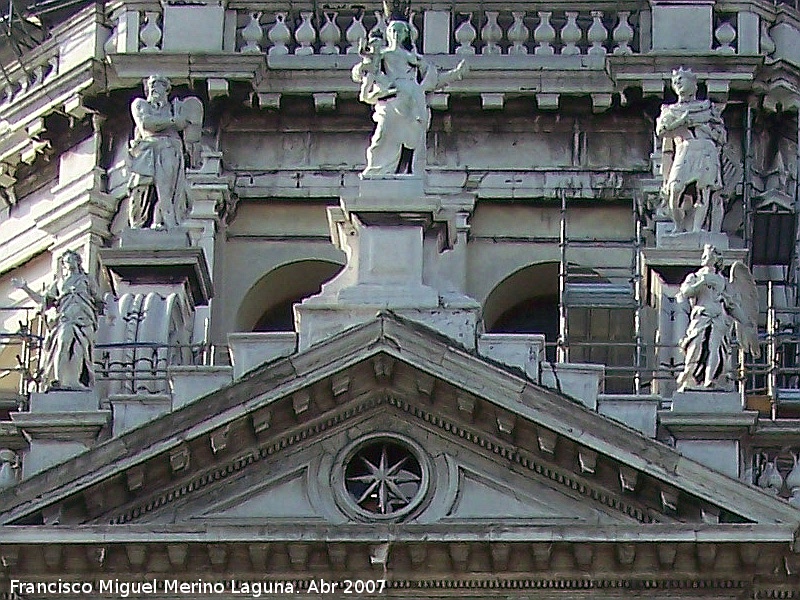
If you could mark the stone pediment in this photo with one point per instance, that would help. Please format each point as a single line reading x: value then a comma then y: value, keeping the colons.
x: 492, y: 447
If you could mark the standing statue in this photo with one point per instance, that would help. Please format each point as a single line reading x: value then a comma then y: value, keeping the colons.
x: 164, y: 132
x: 693, y: 135
x: 66, y: 361
x: 717, y: 305
x: 394, y: 80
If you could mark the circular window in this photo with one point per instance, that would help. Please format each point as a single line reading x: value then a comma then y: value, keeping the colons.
x: 383, y: 477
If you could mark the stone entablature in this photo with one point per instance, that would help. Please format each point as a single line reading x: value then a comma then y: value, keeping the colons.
x: 733, y: 561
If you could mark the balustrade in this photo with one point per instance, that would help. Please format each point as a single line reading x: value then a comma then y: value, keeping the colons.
x: 19, y: 81
x: 777, y: 471
x: 579, y: 29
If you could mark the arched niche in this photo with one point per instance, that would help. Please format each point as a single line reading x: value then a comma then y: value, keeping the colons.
x: 267, y: 306
x: 525, y: 302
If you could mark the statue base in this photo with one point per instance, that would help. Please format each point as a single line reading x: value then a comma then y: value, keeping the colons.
x: 691, y: 240
x: 177, y: 237
x: 64, y: 400
x: 708, y: 427
x: 706, y: 401
x: 59, y: 425
x: 394, y: 235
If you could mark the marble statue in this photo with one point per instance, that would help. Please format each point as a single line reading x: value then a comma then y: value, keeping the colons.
x: 693, y: 135
x: 165, y: 132
x: 395, y: 81
x: 718, y: 304
x: 66, y: 360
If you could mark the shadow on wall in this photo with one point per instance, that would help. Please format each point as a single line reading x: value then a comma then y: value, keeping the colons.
x: 267, y: 306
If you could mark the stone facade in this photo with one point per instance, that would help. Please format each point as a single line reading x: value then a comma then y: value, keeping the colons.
x: 456, y: 371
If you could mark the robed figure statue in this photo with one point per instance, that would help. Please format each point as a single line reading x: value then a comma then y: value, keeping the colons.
x: 66, y: 360
x: 693, y: 135
x: 165, y: 132
x: 718, y: 305
x: 395, y: 80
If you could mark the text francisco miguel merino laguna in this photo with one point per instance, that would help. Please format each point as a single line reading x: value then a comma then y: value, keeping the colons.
x: 252, y: 589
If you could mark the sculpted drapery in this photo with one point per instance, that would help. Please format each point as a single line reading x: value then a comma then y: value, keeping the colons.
x: 66, y: 359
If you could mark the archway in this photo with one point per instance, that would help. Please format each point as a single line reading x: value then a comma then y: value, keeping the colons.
x: 267, y: 306
x: 526, y: 302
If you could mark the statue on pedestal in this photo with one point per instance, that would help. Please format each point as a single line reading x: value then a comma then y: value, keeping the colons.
x: 395, y: 80
x: 693, y: 135
x: 66, y: 361
x: 165, y: 131
x: 718, y: 304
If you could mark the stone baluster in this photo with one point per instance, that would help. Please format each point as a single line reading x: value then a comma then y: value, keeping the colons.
x: 9, y: 468
x: 330, y: 34
x: 571, y: 34
x: 52, y: 67
x: 597, y: 34
x: 465, y: 35
x: 770, y: 479
x: 725, y: 34
x: 37, y: 75
x: 518, y: 34
x: 8, y: 94
x: 544, y: 35
x: 765, y: 40
x: 150, y: 34
x: 23, y: 83
x: 379, y: 29
x: 110, y: 45
x: 252, y: 34
x: 793, y: 480
x: 280, y: 36
x: 623, y: 33
x: 355, y: 33
x: 491, y: 33
x: 305, y: 34
x: 413, y: 28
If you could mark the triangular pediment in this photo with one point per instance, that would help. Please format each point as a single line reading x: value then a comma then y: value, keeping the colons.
x: 284, y: 499
x: 462, y: 484
x: 499, y: 447
x: 480, y: 498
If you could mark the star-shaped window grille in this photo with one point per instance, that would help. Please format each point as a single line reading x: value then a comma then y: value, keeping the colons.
x: 383, y: 477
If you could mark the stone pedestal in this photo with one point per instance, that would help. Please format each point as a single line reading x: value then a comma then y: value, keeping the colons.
x: 58, y: 426
x: 708, y: 427
x: 145, y: 266
x: 132, y: 410
x: 149, y: 239
x: 152, y: 324
x: 191, y: 383
x: 393, y: 235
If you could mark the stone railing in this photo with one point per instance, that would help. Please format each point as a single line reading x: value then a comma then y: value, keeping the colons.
x: 22, y: 79
x: 777, y: 471
x: 562, y: 29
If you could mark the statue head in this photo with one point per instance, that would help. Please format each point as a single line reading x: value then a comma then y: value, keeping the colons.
x: 157, y: 87
x: 397, y: 10
x: 398, y: 34
x: 711, y: 257
x: 70, y: 261
x: 684, y: 82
